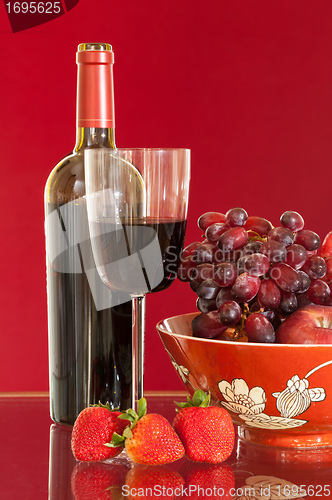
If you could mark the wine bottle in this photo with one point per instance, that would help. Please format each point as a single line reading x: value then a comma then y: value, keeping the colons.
x: 89, y: 333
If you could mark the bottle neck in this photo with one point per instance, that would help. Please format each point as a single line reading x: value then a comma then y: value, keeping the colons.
x: 87, y: 137
x: 95, y: 97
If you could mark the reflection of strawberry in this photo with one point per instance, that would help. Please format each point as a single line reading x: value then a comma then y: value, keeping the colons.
x: 98, y: 481
x: 207, y: 432
x: 210, y: 482
x: 94, y: 428
x: 146, y: 482
x: 150, y: 439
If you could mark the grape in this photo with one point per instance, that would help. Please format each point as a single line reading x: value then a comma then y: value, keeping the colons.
x: 205, y: 252
x: 308, y: 239
x: 223, y: 295
x: 304, y: 281
x: 259, y: 329
x: 207, y: 290
x: 252, y: 246
x: 281, y: 234
x: 292, y: 220
x: 285, y: 277
x: 229, y: 256
x: 296, y: 256
x: 229, y: 313
x: 240, y: 264
x: 186, y: 267
x: 258, y: 225
x: 269, y: 294
x: 274, y: 251
x: 206, y: 305
x: 311, y: 253
x: 288, y: 302
x: 302, y: 300
x: 245, y: 260
x: 202, y: 272
x: 193, y: 285
x: 225, y: 274
x: 273, y: 317
x: 315, y: 267
x: 190, y: 249
x: 236, y: 217
x: 255, y: 307
x: 245, y: 287
x: 207, y: 325
x: 256, y: 264
x: 209, y: 218
x: 214, y: 231
x: 233, y: 239
x: 318, y: 292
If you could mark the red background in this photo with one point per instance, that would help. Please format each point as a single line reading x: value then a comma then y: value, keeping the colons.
x: 247, y: 85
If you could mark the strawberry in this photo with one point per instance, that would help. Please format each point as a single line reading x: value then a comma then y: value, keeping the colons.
x: 92, y: 481
x: 94, y: 428
x: 150, y: 439
x: 152, y: 482
x: 210, y: 481
x: 207, y: 432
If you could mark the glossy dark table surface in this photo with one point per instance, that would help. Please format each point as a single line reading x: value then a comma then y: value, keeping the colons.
x: 36, y: 462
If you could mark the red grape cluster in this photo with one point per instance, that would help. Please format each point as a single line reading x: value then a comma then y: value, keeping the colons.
x: 249, y: 275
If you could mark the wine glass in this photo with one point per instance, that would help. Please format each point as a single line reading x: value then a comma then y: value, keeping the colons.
x: 137, y: 203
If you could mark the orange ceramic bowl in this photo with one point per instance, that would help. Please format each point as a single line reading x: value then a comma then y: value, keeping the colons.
x: 278, y: 394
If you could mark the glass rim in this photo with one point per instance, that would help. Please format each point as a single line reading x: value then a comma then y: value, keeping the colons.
x: 138, y: 149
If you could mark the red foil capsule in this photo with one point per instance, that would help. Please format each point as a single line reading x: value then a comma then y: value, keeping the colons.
x: 95, y: 108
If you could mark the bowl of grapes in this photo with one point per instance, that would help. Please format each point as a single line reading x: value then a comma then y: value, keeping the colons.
x: 260, y: 340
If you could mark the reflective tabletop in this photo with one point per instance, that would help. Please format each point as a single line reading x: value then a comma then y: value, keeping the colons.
x: 36, y: 462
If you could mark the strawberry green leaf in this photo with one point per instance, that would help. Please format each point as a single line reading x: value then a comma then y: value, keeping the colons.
x: 182, y: 405
x: 200, y: 399
x: 127, y: 433
x: 107, y: 406
x: 116, y: 441
x: 206, y: 401
x: 141, y: 407
x: 133, y: 417
x: 132, y: 413
x: 127, y: 415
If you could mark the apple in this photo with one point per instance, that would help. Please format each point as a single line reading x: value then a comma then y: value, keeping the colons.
x: 328, y: 263
x: 311, y: 324
x: 326, y: 249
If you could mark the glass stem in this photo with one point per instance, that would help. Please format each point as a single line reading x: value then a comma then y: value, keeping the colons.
x: 138, y: 306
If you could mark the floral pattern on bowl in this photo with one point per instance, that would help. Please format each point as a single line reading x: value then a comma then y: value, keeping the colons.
x: 249, y: 404
x: 295, y: 399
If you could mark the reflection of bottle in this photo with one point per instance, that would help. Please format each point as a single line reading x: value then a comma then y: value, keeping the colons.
x: 89, y: 342
x: 61, y: 463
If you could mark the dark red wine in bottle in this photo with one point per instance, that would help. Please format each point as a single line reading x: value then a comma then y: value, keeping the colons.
x: 90, y: 353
